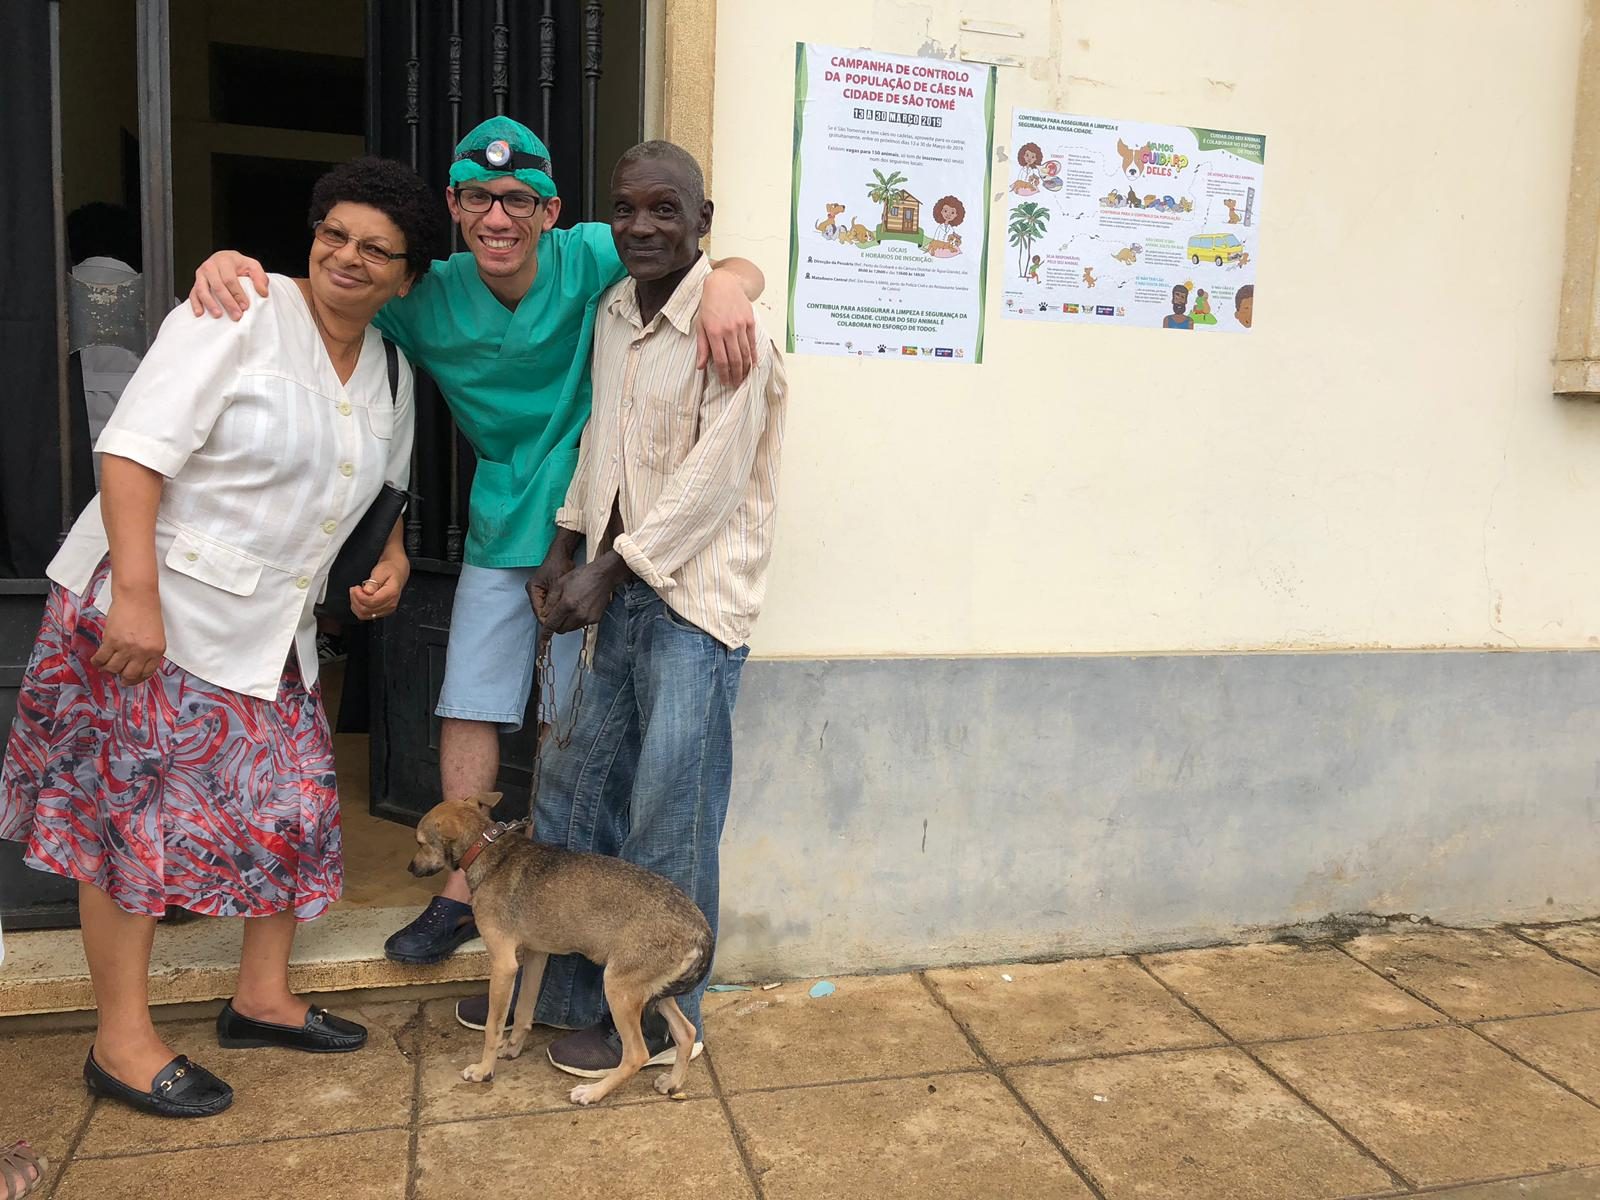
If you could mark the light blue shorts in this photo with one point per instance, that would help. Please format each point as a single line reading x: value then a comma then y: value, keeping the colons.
x: 494, y: 644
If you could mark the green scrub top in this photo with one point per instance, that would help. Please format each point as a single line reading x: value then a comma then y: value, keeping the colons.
x: 517, y: 382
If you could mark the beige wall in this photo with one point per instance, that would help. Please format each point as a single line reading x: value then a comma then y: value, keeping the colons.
x: 1379, y: 464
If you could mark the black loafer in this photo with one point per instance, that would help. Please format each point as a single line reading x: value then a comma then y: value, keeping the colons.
x: 181, y: 1089
x: 323, y: 1033
x: 435, y: 934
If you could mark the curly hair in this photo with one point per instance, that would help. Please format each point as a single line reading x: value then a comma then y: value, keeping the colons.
x: 1038, y: 154
x: 950, y: 202
x: 396, y: 191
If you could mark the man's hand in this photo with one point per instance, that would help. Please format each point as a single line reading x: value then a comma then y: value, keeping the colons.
x: 556, y: 566
x: 580, y: 597
x: 379, y: 595
x: 135, y: 639
x: 217, y: 287
x: 725, y: 328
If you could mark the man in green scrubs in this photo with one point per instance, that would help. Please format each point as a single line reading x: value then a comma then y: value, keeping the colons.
x: 505, y: 330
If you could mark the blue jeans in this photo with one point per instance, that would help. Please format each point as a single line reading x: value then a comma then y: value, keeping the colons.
x: 646, y: 774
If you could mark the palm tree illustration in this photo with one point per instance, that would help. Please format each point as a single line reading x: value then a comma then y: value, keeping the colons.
x: 886, y: 190
x: 1028, y: 224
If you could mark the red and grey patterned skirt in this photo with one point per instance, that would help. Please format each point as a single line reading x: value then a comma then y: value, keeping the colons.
x: 175, y: 791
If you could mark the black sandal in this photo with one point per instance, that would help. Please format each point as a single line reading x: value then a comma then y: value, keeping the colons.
x: 180, y: 1089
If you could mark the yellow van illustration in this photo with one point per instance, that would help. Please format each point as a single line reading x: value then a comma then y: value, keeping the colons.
x: 1219, y: 248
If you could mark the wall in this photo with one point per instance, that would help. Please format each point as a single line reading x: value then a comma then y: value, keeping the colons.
x: 1379, y: 464
x: 1121, y: 640
x: 99, y: 65
x: 310, y: 26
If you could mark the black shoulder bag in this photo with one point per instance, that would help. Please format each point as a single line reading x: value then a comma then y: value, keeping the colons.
x: 364, y: 547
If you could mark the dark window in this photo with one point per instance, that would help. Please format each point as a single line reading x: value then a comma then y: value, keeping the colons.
x: 285, y: 89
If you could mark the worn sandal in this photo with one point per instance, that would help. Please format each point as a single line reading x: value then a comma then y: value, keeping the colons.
x: 16, y: 1162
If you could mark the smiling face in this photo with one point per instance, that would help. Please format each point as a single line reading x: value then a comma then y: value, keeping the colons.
x: 341, y: 277
x: 506, y: 248
x: 657, y: 220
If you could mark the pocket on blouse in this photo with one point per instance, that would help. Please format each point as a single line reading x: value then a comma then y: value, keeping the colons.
x: 213, y: 563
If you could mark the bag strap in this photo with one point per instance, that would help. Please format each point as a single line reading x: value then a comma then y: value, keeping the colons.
x: 393, y: 356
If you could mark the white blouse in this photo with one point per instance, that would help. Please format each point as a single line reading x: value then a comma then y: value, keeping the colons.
x: 269, y: 463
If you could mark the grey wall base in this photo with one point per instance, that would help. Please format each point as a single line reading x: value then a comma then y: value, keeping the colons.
x: 895, y: 813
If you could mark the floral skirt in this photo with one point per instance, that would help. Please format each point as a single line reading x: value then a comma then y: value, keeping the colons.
x: 174, y: 791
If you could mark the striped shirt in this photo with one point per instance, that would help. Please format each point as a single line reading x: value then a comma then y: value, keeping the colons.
x: 689, y: 462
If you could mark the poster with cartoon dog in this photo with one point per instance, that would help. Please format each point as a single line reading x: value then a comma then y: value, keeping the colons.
x: 888, y: 209
x: 1123, y: 223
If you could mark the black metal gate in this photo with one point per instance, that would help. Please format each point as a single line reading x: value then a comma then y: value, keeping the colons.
x: 436, y: 69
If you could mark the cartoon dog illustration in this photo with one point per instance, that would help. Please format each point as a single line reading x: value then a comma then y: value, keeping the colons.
x: 943, y: 247
x: 1186, y: 205
x: 1112, y: 199
x: 857, y: 235
x: 828, y: 227
x: 1234, y: 216
x: 1132, y: 159
x: 1088, y: 277
x: 1128, y: 255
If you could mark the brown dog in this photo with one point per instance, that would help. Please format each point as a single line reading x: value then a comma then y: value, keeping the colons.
x: 531, y: 901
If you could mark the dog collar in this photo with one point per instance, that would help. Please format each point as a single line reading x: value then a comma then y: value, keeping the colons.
x: 490, y: 835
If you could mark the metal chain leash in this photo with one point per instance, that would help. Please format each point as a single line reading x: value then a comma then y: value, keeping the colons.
x: 545, y: 706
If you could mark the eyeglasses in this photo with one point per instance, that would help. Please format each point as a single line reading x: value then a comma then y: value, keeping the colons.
x: 335, y: 238
x: 514, y: 204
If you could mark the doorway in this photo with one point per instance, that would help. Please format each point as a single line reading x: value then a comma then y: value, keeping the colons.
x: 192, y: 125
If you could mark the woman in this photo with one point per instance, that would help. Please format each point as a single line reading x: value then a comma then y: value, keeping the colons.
x: 170, y: 745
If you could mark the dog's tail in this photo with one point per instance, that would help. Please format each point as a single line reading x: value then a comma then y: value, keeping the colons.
x: 693, y: 974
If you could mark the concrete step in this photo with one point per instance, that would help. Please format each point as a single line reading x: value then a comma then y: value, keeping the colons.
x: 45, y: 971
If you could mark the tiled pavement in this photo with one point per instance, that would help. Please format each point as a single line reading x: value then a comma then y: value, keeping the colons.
x: 1454, y: 1064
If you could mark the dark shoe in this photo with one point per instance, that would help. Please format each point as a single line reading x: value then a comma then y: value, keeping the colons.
x: 597, y: 1051
x: 433, y: 936
x: 180, y: 1089
x: 473, y: 1012
x: 323, y: 1033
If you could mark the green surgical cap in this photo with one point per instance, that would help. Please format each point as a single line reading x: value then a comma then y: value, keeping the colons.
x: 501, y: 147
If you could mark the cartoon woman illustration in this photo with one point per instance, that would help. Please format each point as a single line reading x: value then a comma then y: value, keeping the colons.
x: 1201, y: 313
x: 1029, y: 158
x: 949, y: 212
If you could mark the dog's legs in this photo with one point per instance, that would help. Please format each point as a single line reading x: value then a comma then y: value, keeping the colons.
x: 626, y: 1009
x: 683, y: 1038
x: 502, y: 977
x: 532, y: 977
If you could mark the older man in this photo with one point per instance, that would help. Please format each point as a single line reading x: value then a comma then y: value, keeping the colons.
x: 676, y: 492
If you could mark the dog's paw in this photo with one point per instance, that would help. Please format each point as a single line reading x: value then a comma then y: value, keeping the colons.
x: 477, y: 1073
x: 511, y: 1044
x: 586, y: 1093
x: 663, y: 1083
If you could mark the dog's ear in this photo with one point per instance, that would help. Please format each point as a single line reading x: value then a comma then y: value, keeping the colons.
x: 487, y: 800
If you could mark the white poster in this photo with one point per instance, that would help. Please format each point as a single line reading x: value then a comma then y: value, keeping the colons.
x: 1120, y: 223
x: 889, y: 217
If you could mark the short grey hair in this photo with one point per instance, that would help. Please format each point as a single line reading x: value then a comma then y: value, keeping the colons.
x: 693, y: 177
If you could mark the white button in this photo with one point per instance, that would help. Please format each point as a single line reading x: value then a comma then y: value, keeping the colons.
x: 192, y: 556
x: 329, y: 526
x: 627, y: 402
x: 302, y: 583
x: 347, y: 469
x: 344, y: 409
